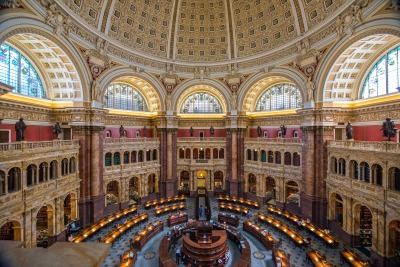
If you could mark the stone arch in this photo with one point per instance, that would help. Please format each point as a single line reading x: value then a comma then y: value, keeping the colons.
x: 216, y: 88
x: 362, y: 222
x: 70, y: 208
x: 11, y: 230
x: 149, y: 86
x: 45, y: 225
x: 112, y: 193
x: 368, y: 29
x: 15, y: 26
x: 254, y: 86
x: 219, y: 180
x: 393, y: 237
x: 134, y: 189
x: 292, y: 192
x: 270, y: 188
x: 336, y: 208
x: 184, y: 180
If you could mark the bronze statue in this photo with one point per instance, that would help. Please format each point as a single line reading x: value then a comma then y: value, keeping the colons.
x: 259, y: 132
x: 56, y: 128
x: 349, y: 131
x: 121, y: 131
x: 389, y: 129
x: 212, y: 131
x: 283, y: 130
x: 20, y: 128
x: 144, y: 131
x: 191, y: 131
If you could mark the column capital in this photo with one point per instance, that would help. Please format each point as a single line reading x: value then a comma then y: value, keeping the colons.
x: 87, y: 128
x: 317, y: 129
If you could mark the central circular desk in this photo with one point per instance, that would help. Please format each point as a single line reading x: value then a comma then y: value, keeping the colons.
x: 204, y: 244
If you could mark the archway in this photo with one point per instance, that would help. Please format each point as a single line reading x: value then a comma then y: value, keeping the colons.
x: 270, y: 189
x: 11, y: 231
x: 151, y: 184
x: 252, y: 184
x: 394, y: 239
x: 184, y: 181
x: 44, y: 226
x: 112, y: 193
x: 134, y: 190
x: 201, y: 178
x: 70, y: 212
x: 218, y: 181
x: 363, y: 225
x: 292, y: 193
x: 337, y: 208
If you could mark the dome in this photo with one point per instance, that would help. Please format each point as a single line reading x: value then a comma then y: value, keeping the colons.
x: 194, y: 33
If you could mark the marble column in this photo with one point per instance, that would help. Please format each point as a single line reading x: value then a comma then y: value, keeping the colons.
x: 314, y: 165
x: 92, y: 198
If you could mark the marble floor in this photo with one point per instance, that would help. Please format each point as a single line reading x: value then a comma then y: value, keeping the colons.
x: 149, y: 254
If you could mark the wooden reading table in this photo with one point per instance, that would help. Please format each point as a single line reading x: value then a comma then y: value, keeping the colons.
x: 177, y: 219
x: 318, y: 232
x: 170, y: 208
x: 280, y: 258
x: 317, y: 259
x: 126, y: 260
x: 261, y: 234
x: 292, y: 234
x: 250, y: 203
x: 114, y: 234
x: 229, y: 219
x: 145, y: 235
x: 163, y: 201
x: 352, y: 258
x: 234, y: 208
x: 88, y: 231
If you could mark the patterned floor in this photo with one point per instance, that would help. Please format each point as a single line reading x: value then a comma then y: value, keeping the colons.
x: 149, y: 254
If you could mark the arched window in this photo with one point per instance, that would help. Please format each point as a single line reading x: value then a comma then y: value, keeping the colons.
x: 2, y: 183
x: 296, y: 159
x: 270, y: 157
x: 107, y: 159
x: 365, y: 172
x: 43, y: 172
x: 126, y: 157
x: 133, y: 157
x: 263, y: 156
x: 201, y: 102
x: 117, y: 158
x: 255, y: 155
x: 248, y: 154
x: 288, y: 158
x: 72, y: 165
x: 208, y: 153
x: 278, y: 97
x: 215, y: 153
x: 221, y: 153
x: 342, y: 167
x: 154, y: 154
x: 277, y: 157
x: 14, y: 180
x: 384, y: 77
x: 354, y: 169
x: 31, y: 175
x: 64, y: 167
x: 18, y: 72
x: 377, y: 174
x: 333, y: 165
x: 181, y: 153
x: 53, y: 170
x: 124, y: 96
x: 187, y: 153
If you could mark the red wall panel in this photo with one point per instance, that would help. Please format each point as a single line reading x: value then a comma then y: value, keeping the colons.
x: 131, y: 132
x: 32, y: 133
x: 368, y: 133
x: 196, y: 132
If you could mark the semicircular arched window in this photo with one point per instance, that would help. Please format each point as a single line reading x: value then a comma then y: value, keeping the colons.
x: 278, y: 97
x: 18, y: 72
x: 124, y: 96
x: 384, y: 77
x: 201, y: 102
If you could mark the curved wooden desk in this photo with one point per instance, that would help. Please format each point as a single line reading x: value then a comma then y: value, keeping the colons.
x: 234, y: 235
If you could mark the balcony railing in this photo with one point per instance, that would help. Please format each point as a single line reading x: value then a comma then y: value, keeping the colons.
x: 130, y: 140
x: 24, y: 146
x: 273, y: 140
x: 201, y: 139
x: 366, y: 146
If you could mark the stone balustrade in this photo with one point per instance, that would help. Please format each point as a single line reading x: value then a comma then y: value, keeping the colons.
x: 384, y: 146
x: 34, y: 146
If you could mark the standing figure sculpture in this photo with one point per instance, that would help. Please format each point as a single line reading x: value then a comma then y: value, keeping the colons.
x: 191, y: 131
x: 212, y: 131
x: 57, y: 128
x: 349, y: 131
x: 259, y: 131
x: 144, y: 131
x: 310, y: 89
x: 283, y: 130
x: 20, y: 128
x: 121, y: 131
x: 389, y: 129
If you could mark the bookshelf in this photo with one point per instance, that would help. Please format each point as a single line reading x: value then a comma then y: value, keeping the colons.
x: 365, y: 227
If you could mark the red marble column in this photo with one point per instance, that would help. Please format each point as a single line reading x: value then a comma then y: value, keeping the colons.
x: 91, y: 201
x: 313, y: 199
x: 168, y: 162
x: 232, y: 162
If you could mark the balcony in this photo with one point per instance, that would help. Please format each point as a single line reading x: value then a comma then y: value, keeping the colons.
x: 35, y: 146
x: 202, y: 140
x: 390, y: 147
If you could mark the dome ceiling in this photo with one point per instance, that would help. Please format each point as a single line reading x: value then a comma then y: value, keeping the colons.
x: 199, y: 31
